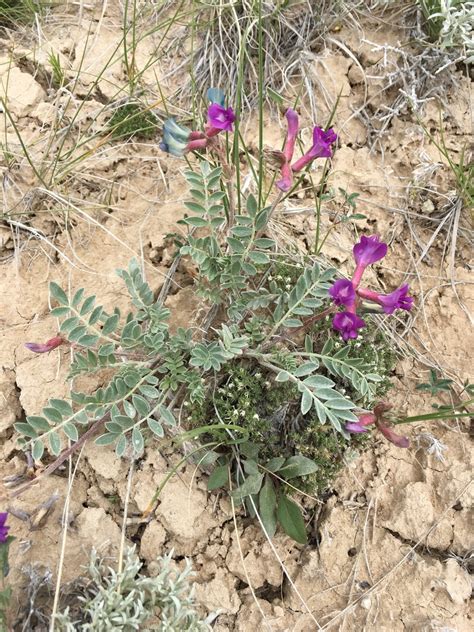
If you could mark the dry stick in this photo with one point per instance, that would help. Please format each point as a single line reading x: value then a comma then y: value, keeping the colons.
x: 72, y: 475
x: 400, y: 562
x: 125, y: 513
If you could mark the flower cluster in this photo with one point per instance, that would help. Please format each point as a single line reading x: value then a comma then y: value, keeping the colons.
x: 178, y: 140
x: 349, y: 293
x: 321, y: 148
x: 3, y: 527
x: 378, y: 419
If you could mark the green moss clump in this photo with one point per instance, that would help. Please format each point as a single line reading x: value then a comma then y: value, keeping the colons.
x: 247, y: 398
x: 269, y: 411
x: 132, y: 119
x: 327, y: 448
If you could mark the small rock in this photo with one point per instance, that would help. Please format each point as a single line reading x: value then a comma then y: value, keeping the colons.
x: 355, y: 75
x: 96, y: 529
x: 152, y: 541
x: 260, y: 565
x: 20, y: 91
x: 219, y: 594
x: 10, y: 409
x: 103, y: 461
x: 428, y: 207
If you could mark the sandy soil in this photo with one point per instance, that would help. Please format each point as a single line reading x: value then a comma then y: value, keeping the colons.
x: 389, y: 549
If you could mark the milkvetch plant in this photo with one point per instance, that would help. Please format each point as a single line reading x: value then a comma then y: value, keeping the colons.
x: 261, y: 384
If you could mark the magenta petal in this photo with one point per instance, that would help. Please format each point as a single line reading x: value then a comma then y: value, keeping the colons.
x: 347, y: 324
x: 398, y: 299
x: 369, y: 250
x: 3, y: 527
x: 37, y: 347
x: 322, y: 142
x: 220, y: 118
x: 354, y: 426
x: 292, y: 119
x: 286, y: 181
x: 365, y: 419
x: 393, y: 437
x: 342, y: 292
x: 321, y: 148
x: 284, y: 184
x: 49, y: 345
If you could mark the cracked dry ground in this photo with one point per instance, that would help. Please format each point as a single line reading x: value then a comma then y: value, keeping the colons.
x: 388, y: 548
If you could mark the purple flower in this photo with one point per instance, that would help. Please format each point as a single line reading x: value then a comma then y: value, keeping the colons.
x: 219, y: 119
x: 284, y: 184
x: 398, y: 440
x: 369, y: 250
x: 377, y: 418
x: 49, y: 345
x: 398, y: 299
x: 361, y: 426
x: 381, y: 422
x: 3, y: 527
x: 175, y: 138
x: 342, y: 292
x: 347, y: 324
x: 321, y: 148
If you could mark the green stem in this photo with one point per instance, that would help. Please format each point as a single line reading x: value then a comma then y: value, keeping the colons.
x: 432, y: 417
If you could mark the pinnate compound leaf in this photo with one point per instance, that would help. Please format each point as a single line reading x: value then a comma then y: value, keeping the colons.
x: 290, y: 517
